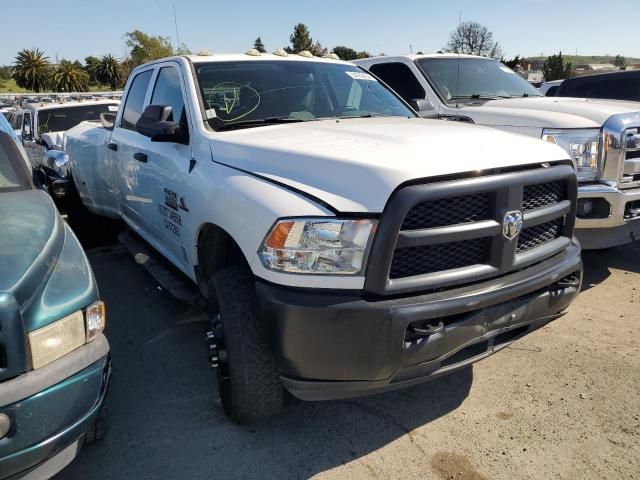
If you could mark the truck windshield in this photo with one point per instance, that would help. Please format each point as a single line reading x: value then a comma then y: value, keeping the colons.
x: 254, y: 93
x: 13, y: 171
x: 64, y: 118
x: 474, y: 78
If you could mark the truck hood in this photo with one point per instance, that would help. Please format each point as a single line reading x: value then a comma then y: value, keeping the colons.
x: 355, y: 164
x: 547, y: 112
x: 41, y: 262
x: 53, y: 138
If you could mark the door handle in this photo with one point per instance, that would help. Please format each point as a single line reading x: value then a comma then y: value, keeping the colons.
x: 112, y: 146
x: 141, y: 157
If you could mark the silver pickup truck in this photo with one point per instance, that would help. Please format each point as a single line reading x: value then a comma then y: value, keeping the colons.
x: 601, y: 136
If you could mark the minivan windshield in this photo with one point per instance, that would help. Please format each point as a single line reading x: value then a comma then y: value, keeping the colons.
x: 13, y: 170
x: 254, y: 93
x: 64, y: 118
x: 474, y: 78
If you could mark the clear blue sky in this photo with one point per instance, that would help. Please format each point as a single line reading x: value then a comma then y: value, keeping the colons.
x: 73, y: 29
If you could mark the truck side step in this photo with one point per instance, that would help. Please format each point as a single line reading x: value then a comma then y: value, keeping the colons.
x: 169, y: 278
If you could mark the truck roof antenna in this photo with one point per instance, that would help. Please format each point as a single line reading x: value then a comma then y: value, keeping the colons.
x: 458, y: 80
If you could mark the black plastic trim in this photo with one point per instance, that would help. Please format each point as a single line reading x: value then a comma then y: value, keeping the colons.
x: 508, y: 188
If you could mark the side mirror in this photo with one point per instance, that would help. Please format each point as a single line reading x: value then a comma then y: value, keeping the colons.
x: 58, y: 162
x: 424, y: 107
x: 108, y: 119
x: 26, y: 134
x: 155, y: 124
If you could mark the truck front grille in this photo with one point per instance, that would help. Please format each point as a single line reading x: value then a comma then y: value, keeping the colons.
x: 453, y: 232
x: 449, y: 211
x: 13, y: 355
x: 542, y: 195
x: 537, y: 236
x: 434, y: 258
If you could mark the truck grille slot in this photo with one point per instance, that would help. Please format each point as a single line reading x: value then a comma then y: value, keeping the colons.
x: 450, y: 211
x: 537, y: 236
x: 542, y: 195
x: 632, y: 154
x: 438, y: 235
x: 434, y: 258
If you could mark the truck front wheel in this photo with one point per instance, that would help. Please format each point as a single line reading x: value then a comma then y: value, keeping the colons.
x: 248, y: 381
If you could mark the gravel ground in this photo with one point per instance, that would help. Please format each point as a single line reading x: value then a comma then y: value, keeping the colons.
x: 561, y: 403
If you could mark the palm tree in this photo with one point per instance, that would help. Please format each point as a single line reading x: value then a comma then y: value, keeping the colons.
x: 32, y: 70
x: 69, y: 78
x: 109, y: 71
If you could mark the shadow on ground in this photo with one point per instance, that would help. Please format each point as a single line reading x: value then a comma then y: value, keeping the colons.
x: 598, y: 263
x: 165, y: 419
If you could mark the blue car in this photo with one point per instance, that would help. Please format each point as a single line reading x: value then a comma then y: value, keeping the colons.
x: 54, y: 358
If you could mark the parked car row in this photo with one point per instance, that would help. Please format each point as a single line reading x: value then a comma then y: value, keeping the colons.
x: 343, y: 244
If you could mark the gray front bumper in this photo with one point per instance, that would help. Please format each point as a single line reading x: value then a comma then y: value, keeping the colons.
x: 614, y: 230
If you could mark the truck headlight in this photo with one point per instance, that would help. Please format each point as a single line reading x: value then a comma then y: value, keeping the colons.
x: 318, y: 246
x: 582, y: 145
x: 63, y: 336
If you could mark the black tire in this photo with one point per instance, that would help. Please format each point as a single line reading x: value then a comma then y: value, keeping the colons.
x: 248, y: 380
x: 98, y: 428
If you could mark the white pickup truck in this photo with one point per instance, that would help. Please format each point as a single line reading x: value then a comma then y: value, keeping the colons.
x: 349, y: 246
x: 601, y: 136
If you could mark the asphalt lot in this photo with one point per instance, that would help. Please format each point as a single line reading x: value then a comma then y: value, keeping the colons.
x: 562, y: 403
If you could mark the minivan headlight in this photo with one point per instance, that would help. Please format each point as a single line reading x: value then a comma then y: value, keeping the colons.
x: 318, y: 246
x: 63, y: 336
x: 583, y: 146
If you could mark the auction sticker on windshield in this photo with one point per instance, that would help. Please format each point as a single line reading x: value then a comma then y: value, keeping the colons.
x: 361, y: 76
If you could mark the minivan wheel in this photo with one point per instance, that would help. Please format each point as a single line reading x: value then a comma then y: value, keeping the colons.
x: 248, y: 380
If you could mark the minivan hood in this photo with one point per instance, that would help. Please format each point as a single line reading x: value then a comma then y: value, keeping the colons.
x: 547, y: 112
x: 41, y: 262
x: 355, y: 164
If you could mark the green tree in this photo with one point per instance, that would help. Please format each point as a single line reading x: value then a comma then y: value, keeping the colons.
x: 259, y: 46
x: 145, y: 48
x: 620, y: 61
x: 32, y: 70
x: 5, y: 72
x: 346, y: 53
x: 555, y: 68
x: 300, y: 39
x: 183, y: 50
x: 67, y: 77
x: 109, y: 71
x: 318, y: 50
x: 90, y: 65
x: 474, y: 39
x: 513, y: 63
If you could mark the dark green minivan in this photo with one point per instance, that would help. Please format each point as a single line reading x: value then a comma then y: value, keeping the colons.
x: 54, y: 359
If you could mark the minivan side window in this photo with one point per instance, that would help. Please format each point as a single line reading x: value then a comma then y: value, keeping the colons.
x: 167, y: 91
x: 135, y: 100
x: 401, y: 79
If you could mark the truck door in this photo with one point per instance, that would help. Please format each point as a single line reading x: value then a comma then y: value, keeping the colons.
x: 168, y: 166
x: 34, y: 149
x: 408, y: 82
x: 126, y: 157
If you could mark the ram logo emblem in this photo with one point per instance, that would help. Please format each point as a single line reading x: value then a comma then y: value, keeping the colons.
x: 512, y: 224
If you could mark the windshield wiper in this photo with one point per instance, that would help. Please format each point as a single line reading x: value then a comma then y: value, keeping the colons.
x: 364, y: 115
x: 260, y: 121
x: 477, y: 96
